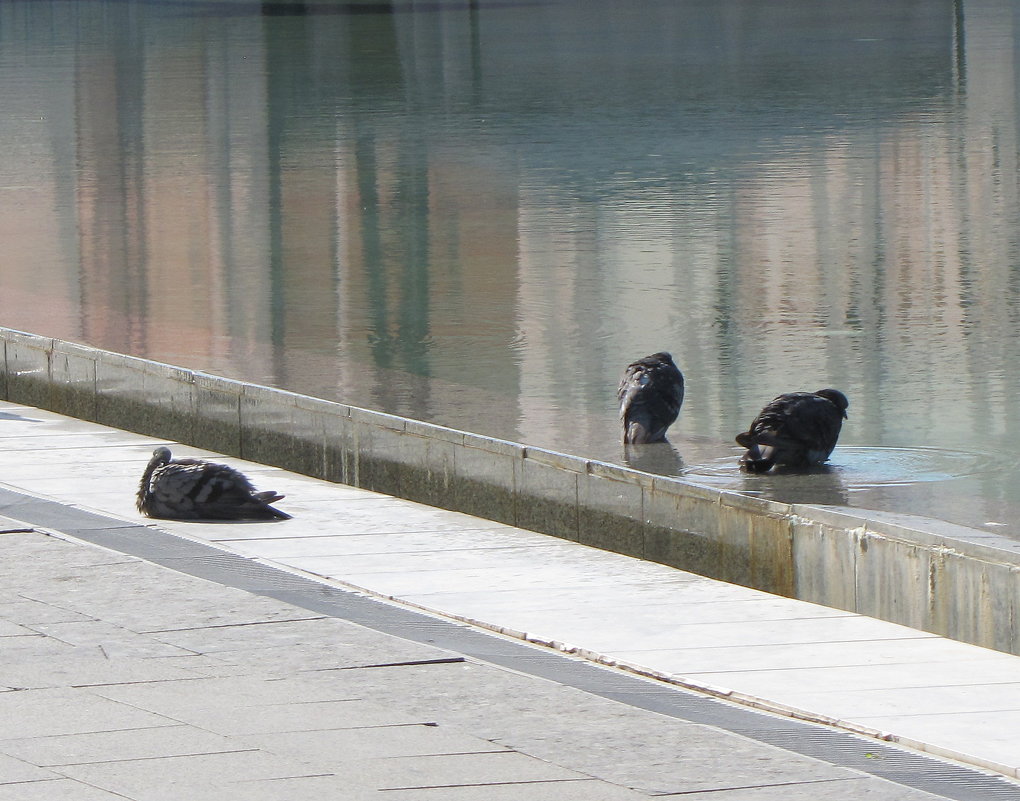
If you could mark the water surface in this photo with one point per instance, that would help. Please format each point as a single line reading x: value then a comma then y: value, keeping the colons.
x: 476, y: 213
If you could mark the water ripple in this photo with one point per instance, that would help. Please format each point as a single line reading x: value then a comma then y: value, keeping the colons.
x: 867, y: 467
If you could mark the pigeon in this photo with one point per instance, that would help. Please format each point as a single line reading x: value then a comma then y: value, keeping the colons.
x: 193, y: 489
x: 651, y: 392
x: 798, y: 429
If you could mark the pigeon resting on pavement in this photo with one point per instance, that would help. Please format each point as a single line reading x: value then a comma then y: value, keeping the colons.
x: 193, y: 489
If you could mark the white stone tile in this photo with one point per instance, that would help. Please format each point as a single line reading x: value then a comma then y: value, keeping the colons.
x: 601, y: 629
x: 341, y: 517
x: 766, y: 683
x: 76, y: 488
x: 417, y: 583
x: 852, y: 704
x: 680, y: 617
x: 663, y: 627
x: 95, y: 455
x: 671, y: 587
x: 511, y: 559
x: 109, y: 438
x: 73, y: 469
x: 689, y: 661
x: 386, y: 543
x: 241, y: 529
x: 298, y: 485
x: 514, y: 568
x: 989, y: 737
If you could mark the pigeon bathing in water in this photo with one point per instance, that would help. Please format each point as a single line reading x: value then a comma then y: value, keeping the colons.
x: 798, y: 429
x: 192, y: 489
x: 651, y: 392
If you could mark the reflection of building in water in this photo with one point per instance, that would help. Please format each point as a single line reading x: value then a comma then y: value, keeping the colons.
x: 429, y: 278
x: 902, y: 245
x: 601, y: 287
x: 217, y: 196
x: 428, y: 254
x: 169, y: 198
x: 848, y: 263
x: 37, y: 224
x: 753, y: 269
x: 381, y: 198
x: 109, y: 202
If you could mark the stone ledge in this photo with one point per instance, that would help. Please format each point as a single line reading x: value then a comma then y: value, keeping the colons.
x: 949, y: 580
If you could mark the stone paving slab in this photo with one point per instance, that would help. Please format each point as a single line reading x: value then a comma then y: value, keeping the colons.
x: 188, y: 774
x: 979, y: 733
x: 335, y: 747
x: 674, y: 757
x: 511, y: 791
x: 49, y: 711
x: 17, y: 771
x: 219, y: 632
x: 161, y: 728
x: 175, y: 740
x: 56, y: 790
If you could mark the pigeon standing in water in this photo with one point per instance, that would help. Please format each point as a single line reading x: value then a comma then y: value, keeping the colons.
x: 798, y: 429
x: 192, y: 489
x: 651, y: 392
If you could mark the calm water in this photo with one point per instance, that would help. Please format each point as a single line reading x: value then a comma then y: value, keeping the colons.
x: 476, y: 213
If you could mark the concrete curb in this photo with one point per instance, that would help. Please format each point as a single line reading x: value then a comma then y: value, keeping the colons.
x: 949, y: 580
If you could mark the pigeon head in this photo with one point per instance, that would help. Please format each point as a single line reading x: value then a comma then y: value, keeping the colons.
x: 162, y: 454
x: 837, y: 398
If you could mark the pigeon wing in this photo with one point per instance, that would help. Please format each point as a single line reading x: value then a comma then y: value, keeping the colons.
x: 797, y: 427
x: 194, y: 490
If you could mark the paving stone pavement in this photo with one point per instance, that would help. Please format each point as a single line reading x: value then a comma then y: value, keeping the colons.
x: 260, y: 661
x: 124, y: 679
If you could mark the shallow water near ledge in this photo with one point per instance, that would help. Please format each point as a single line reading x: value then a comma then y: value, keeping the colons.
x: 905, y: 480
x: 861, y: 468
x: 477, y: 213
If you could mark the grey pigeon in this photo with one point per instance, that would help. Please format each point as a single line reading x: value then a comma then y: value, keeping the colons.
x: 798, y: 429
x: 651, y: 393
x: 193, y: 489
